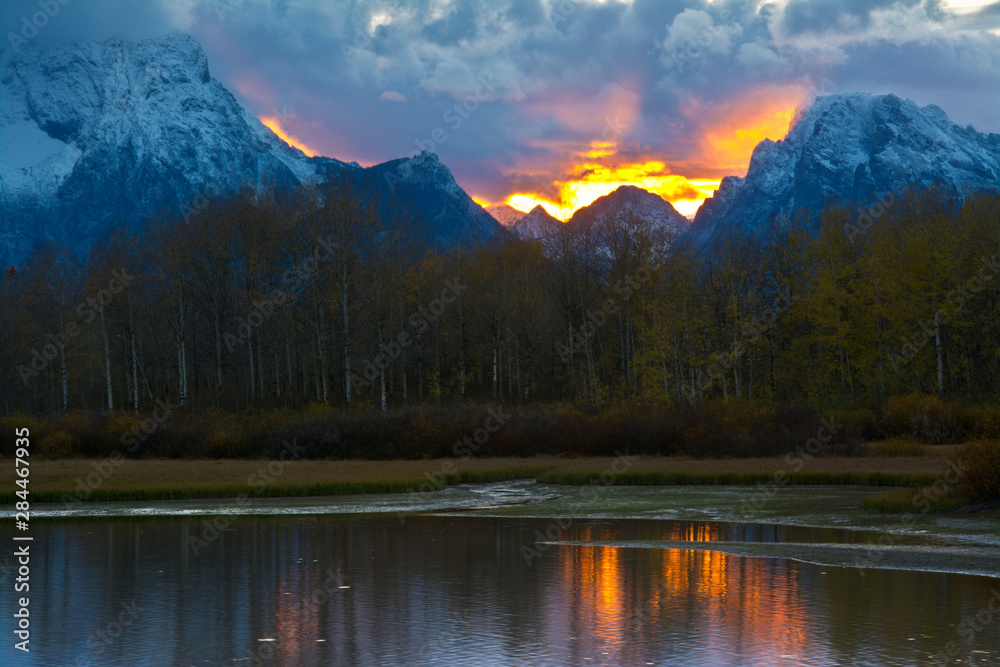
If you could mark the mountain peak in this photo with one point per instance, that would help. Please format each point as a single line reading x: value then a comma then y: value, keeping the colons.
x: 537, y: 224
x: 646, y: 204
x: 643, y: 207
x: 505, y: 214
x: 426, y: 170
x: 624, y: 190
x: 851, y: 148
x: 116, y: 131
x: 425, y: 158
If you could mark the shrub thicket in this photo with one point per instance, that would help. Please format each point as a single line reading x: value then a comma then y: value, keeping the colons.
x: 981, y: 475
x: 713, y: 430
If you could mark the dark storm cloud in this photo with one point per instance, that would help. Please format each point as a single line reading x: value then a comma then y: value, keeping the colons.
x: 524, y: 13
x: 821, y: 15
x: 537, y: 80
x: 460, y: 23
x: 959, y: 77
x: 80, y: 20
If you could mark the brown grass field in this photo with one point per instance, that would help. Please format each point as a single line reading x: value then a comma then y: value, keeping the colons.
x: 95, y: 479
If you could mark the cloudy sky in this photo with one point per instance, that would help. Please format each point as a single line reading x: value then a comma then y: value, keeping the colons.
x: 562, y: 100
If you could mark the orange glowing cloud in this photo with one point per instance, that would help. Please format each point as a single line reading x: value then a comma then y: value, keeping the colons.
x: 608, y: 115
x: 725, y: 137
x: 686, y: 195
x: 731, y: 130
x: 274, y: 124
x: 598, y: 176
x: 525, y: 202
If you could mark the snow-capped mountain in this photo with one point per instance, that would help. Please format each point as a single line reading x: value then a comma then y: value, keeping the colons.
x: 851, y: 148
x: 648, y: 208
x: 95, y: 135
x: 536, y: 224
x: 505, y: 214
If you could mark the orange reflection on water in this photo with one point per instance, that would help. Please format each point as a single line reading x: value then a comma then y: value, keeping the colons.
x: 595, y: 574
x: 693, y: 532
x: 294, y: 621
x: 752, y: 603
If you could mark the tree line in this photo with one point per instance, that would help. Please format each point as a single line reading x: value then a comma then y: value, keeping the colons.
x: 269, y: 298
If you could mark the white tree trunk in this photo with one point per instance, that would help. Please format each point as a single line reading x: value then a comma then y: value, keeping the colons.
x: 940, y: 356
x: 107, y: 361
x: 62, y: 361
x: 181, y: 353
x: 135, y: 371
x: 218, y: 356
x: 347, y: 332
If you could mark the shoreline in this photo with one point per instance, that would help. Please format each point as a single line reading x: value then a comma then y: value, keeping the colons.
x: 939, y: 541
x: 104, y: 480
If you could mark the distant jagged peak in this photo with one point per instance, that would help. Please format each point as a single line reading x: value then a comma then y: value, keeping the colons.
x: 540, y: 215
x: 505, y: 214
x: 424, y: 170
x: 646, y: 205
x: 536, y: 224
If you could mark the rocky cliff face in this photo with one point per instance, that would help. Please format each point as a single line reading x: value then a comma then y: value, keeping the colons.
x: 851, y: 148
x: 96, y: 135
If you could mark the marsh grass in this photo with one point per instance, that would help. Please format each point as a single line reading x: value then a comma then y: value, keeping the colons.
x: 736, y: 478
x: 58, y: 481
x: 174, y: 479
x: 896, y: 447
x: 916, y: 499
x: 334, y: 488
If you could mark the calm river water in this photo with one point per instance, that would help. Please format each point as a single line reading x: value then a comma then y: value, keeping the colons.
x: 457, y: 589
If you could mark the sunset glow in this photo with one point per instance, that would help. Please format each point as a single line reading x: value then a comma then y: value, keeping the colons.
x: 525, y: 202
x: 725, y: 139
x: 274, y: 125
x: 731, y: 130
x: 705, y: 187
x: 627, y: 241
x: 685, y: 194
x: 597, y: 180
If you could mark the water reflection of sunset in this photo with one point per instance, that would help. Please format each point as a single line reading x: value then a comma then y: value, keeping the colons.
x: 756, y: 601
x: 438, y: 591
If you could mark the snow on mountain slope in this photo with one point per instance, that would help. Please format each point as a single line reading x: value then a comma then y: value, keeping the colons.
x: 851, y: 148
x: 95, y: 135
x: 505, y: 214
x: 536, y: 224
x: 101, y: 134
x: 649, y: 208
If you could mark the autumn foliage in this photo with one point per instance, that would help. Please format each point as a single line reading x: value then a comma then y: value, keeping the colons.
x: 264, y: 315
